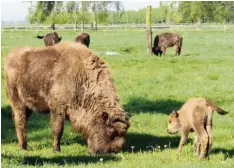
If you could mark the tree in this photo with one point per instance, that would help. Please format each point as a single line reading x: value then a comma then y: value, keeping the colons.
x: 40, y: 11
x: 101, y: 9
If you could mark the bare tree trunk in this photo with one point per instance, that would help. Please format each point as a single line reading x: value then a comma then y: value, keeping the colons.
x: 53, y: 26
x: 82, y: 25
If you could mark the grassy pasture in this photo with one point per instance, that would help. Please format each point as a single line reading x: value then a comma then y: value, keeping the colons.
x: 149, y: 88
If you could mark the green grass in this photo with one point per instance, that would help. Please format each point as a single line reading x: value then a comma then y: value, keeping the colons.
x: 149, y: 88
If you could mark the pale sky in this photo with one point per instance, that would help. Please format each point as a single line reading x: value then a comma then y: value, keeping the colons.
x: 17, y: 10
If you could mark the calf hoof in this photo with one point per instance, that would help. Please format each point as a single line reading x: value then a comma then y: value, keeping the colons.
x: 23, y: 146
x: 56, y: 149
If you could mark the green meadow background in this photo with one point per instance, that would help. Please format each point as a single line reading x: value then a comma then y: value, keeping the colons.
x: 149, y: 88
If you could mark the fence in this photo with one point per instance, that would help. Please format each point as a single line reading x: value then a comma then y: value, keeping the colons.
x: 223, y: 27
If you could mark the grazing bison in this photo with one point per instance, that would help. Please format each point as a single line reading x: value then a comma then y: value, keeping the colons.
x: 50, y: 39
x: 164, y: 40
x: 83, y: 38
x: 195, y: 115
x: 67, y: 80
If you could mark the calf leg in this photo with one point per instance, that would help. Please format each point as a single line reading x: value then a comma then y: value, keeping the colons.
x: 197, y: 145
x: 57, y: 129
x: 203, y: 137
x: 209, y: 130
x: 184, y: 137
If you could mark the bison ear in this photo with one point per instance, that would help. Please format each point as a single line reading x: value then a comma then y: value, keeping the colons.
x: 104, y: 116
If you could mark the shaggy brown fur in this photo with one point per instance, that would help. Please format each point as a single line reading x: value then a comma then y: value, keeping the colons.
x: 83, y: 38
x: 164, y: 40
x: 51, y: 38
x: 66, y: 79
x: 195, y: 115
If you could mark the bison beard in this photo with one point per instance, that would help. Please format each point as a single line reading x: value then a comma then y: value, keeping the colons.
x: 66, y: 79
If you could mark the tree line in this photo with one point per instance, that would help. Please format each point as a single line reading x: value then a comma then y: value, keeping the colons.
x: 112, y: 12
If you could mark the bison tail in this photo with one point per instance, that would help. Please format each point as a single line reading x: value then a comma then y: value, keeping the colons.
x: 181, y: 41
x: 40, y: 37
x: 216, y: 108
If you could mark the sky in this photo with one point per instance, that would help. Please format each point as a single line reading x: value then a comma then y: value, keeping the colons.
x: 17, y: 10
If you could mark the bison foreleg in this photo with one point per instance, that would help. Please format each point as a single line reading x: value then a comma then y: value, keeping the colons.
x: 57, y: 129
x: 197, y: 145
x: 163, y: 51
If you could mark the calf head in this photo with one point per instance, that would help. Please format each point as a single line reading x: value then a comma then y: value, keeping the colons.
x: 110, y: 135
x: 173, y: 123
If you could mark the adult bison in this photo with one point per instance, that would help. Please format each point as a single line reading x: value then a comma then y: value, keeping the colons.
x: 164, y: 40
x: 50, y: 38
x: 83, y: 38
x: 67, y: 80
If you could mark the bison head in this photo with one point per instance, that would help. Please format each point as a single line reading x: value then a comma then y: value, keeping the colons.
x: 156, y: 50
x: 109, y: 134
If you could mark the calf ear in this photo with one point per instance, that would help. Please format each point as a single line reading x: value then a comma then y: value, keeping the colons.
x: 175, y: 113
x: 104, y: 116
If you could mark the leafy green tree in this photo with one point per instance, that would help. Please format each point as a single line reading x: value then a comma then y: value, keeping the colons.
x: 39, y: 12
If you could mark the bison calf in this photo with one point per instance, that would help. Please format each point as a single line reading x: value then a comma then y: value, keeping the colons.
x: 83, y: 38
x: 164, y: 40
x: 67, y: 80
x: 195, y: 115
x: 51, y: 38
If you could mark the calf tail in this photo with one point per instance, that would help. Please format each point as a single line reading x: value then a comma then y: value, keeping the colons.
x: 216, y: 108
x: 40, y: 37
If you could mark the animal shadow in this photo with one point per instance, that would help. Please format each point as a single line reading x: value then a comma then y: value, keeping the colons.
x: 142, y: 105
x: 228, y: 153
x: 63, y: 160
x: 136, y: 142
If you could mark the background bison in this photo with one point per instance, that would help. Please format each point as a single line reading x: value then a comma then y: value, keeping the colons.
x: 67, y: 80
x: 51, y: 38
x: 164, y: 40
x: 83, y: 38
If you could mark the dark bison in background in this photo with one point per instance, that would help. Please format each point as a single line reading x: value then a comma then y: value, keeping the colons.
x: 67, y: 80
x: 50, y: 38
x: 164, y: 40
x: 83, y: 38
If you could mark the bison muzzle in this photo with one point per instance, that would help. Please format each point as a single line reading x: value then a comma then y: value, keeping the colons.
x: 67, y: 80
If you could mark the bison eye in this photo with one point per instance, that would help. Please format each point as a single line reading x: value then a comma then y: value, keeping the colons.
x: 117, y: 120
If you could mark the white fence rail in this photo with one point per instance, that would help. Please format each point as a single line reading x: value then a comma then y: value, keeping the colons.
x: 123, y: 26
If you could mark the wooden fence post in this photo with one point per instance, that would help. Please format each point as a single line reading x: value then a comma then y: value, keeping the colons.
x: 148, y: 29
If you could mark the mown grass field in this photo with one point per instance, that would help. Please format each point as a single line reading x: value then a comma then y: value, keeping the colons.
x: 149, y: 88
